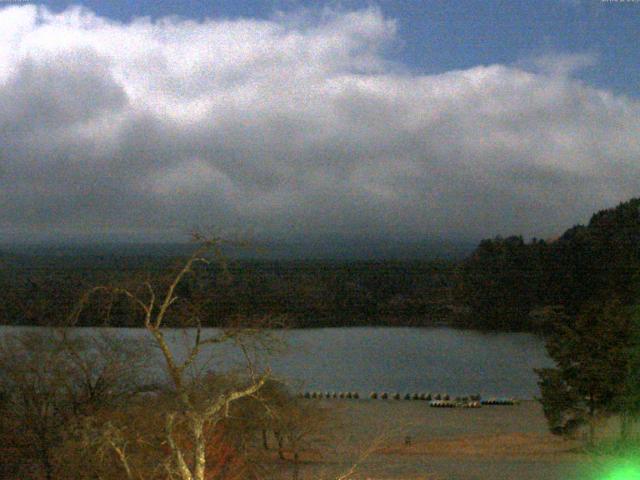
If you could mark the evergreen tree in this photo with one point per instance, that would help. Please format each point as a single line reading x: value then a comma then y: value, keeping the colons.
x: 500, y: 283
x: 593, y: 367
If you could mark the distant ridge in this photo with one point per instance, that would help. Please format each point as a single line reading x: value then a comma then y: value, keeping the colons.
x: 270, y: 250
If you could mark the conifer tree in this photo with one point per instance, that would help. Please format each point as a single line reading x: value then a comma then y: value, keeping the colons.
x: 591, y: 378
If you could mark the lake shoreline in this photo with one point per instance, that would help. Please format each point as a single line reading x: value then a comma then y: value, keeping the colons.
x: 433, y: 360
x: 322, y: 326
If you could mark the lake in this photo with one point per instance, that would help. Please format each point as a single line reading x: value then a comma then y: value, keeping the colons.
x: 364, y: 359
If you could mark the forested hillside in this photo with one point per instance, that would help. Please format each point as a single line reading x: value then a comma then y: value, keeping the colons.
x: 505, y: 284
x: 43, y: 290
x: 510, y: 284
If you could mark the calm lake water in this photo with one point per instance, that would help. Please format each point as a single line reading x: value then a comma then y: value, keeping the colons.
x: 438, y: 359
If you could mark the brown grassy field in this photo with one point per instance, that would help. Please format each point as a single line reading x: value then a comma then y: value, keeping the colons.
x: 409, y: 440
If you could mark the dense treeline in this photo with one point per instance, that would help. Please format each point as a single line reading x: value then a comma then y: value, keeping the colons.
x: 334, y: 294
x: 510, y: 284
x: 582, y: 291
x: 43, y: 290
x: 505, y: 284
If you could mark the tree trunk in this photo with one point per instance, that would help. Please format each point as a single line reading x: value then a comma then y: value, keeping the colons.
x: 46, y: 465
x: 280, y: 445
x: 183, y: 470
x: 199, y: 454
x: 296, y: 465
x: 43, y: 452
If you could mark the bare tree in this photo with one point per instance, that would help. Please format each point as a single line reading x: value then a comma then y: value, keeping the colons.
x: 50, y: 378
x: 195, y: 410
x: 32, y: 375
x: 298, y: 425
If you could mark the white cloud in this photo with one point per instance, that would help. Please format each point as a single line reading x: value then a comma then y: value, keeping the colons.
x: 563, y: 64
x: 295, y: 124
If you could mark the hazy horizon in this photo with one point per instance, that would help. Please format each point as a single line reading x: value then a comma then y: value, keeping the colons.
x: 259, y: 250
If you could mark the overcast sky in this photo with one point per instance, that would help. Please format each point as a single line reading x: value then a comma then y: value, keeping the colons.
x: 388, y: 120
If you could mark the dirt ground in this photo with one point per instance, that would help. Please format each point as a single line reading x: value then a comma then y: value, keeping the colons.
x: 409, y: 440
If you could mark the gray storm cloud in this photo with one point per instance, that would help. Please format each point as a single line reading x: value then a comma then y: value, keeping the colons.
x: 292, y: 127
